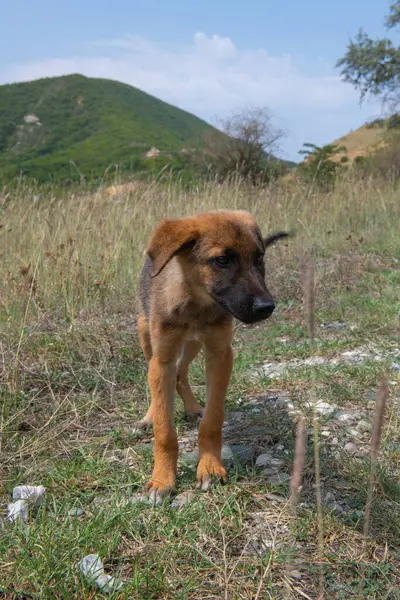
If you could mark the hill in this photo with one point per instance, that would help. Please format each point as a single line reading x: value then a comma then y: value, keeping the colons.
x: 363, y: 141
x: 61, y: 127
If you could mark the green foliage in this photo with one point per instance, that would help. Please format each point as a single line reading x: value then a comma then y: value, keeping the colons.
x: 88, y: 127
x: 373, y: 66
x: 319, y: 168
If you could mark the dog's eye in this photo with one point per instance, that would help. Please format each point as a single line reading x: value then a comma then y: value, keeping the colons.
x: 222, y: 261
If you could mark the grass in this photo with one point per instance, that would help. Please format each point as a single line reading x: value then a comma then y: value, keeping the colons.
x: 73, y: 381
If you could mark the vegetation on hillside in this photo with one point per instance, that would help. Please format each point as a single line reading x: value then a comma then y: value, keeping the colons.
x: 66, y: 128
x: 247, y: 148
x: 319, y: 166
x: 75, y: 128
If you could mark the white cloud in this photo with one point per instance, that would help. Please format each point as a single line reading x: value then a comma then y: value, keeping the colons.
x: 210, y: 76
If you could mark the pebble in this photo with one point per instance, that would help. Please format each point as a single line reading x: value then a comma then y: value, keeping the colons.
x: 334, y: 325
x: 276, y: 462
x: 76, y: 512
x: 350, y: 448
x: 182, y: 499
x: 295, y: 575
x: 267, y: 472
x: 100, y: 500
x: 346, y: 418
x: 325, y: 433
x: 232, y: 453
x: 364, y: 426
x: 354, y: 432
x: 278, y: 478
x: 263, y: 460
x: 190, y: 459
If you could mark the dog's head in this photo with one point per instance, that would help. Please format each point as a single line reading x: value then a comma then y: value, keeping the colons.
x: 225, y: 251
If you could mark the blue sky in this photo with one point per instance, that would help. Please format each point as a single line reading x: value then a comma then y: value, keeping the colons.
x: 209, y: 57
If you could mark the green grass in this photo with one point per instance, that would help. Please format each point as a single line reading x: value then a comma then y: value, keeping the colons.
x: 73, y: 381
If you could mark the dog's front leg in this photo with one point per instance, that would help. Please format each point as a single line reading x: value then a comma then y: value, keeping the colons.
x: 219, y: 360
x: 162, y: 381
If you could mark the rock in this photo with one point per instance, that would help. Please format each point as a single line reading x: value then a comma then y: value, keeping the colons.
x: 364, y: 427
x: 263, y: 460
x: 322, y: 408
x: 345, y: 417
x: 190, y: 459
x: 141, y: 499
x: 242, y: 454
x: 101, y: 500
x: 295, y: 575
x: 76, y: 512
x: 334, y: 441
x: 260, y: 430
x: 268, y: 472
x: 350, y: 447
x: 181, y: 499
x: 329, y: 499
x: 354, y: 433
x: 325, y: 434
x: 278, y: 478
x: 276, y: 462
x: 334, y: 325
x: 274, y: 497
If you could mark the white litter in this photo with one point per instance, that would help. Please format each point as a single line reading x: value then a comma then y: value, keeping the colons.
x: 24, y: 495
x: 33, y: 494
x: 18, y: 510
x: 92, y: 568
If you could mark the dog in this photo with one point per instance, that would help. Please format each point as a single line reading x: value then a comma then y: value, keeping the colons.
x: 199, y: 274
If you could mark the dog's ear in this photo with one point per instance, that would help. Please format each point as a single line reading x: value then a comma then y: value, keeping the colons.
x: 169, y: 238
x: 271, y: 239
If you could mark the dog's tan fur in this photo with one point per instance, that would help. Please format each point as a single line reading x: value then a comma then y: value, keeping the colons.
x: 180, y: 310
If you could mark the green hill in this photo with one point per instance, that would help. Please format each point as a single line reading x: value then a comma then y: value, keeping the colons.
x: 59, y: 128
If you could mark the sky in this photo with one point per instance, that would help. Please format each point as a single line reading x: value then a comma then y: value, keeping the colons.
x: 210, y: 57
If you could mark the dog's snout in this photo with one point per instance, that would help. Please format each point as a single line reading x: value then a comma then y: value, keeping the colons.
x: 263, y: 308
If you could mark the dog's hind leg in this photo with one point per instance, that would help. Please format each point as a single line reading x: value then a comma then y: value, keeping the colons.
x: 189, y: 352
x: 145, y: 343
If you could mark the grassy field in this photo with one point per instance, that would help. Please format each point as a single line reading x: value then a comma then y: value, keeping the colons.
x: 73, y: 382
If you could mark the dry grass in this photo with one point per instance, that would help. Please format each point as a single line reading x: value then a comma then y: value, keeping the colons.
x: 71, y: 255
x: 72, y: 381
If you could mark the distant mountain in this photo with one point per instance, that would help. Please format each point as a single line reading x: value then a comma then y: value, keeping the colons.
x: 61, y: 126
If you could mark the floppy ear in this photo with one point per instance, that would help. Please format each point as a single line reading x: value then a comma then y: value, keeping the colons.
x: 271, y: 239
x: 169, y: 238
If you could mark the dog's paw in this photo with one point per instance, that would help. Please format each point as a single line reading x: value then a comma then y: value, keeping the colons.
x: 141, y: 427
x: 194, y: 413
x: 210, y: 468
x: 157, y: 492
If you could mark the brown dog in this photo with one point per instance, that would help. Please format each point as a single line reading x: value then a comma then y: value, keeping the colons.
x: 199, y: 273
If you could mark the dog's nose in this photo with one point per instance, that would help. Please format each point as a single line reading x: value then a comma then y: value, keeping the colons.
x: 263, y: 308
